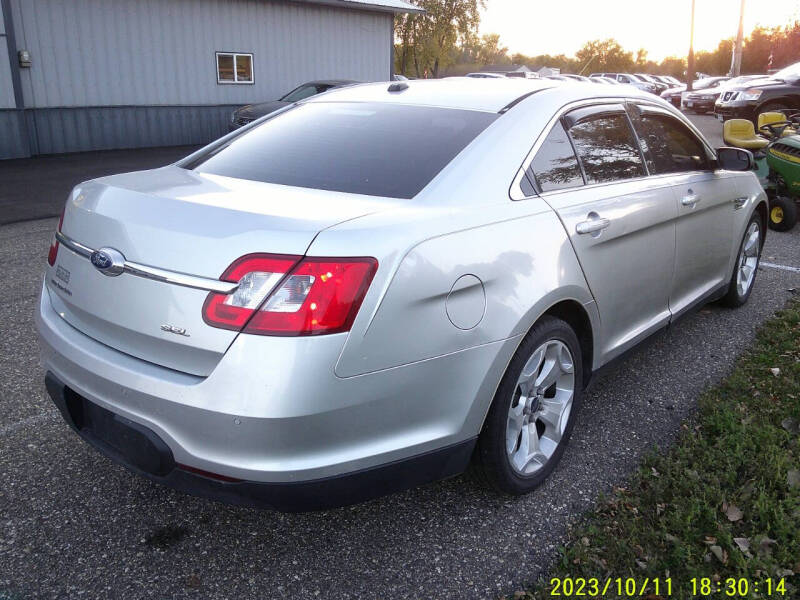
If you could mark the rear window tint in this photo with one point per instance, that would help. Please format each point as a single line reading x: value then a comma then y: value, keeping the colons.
x: 362, y: 148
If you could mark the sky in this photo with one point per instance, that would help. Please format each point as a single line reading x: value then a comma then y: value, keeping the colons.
x: 534, y: 27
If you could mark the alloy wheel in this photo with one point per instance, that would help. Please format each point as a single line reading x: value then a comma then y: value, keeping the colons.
x: 540, y: 409
x: 748, y: 259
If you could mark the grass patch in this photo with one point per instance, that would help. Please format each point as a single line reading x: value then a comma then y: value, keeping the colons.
x: 723, y: 503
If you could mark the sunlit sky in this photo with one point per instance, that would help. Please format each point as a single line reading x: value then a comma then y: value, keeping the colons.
x: 660, y: 26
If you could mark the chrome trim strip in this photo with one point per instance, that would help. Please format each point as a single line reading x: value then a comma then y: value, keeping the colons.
x: 76, y: 247
x: 154, y: 273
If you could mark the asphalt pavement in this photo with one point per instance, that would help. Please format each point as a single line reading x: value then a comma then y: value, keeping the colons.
x: 73, y: 524
x: 36, y: 188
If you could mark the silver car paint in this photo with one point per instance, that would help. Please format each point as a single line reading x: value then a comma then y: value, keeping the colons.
x: 406, y: 379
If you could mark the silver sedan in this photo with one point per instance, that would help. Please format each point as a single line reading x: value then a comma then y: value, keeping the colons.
x: 373, y: 287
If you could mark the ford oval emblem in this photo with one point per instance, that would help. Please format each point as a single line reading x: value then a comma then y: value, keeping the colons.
x: 108, y: 261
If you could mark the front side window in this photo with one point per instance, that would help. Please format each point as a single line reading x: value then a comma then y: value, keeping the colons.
x: 378, y: 149
x: 668, y: 145
x: 234, y: 67
x: 555, y: 166
x: 607, y: 148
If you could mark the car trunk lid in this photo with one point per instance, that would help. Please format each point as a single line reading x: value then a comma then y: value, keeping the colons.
x: 180, y: 223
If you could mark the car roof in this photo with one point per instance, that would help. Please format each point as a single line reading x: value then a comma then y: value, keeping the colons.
x: 489, y: 95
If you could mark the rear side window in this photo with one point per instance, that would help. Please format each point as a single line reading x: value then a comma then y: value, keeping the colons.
x: 375, y: 149
x: 607, y: 148
x: 668, y: 145
x: 555, y: 166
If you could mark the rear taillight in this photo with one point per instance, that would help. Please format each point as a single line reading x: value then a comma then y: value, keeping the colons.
x: 290, y: 296
x: 53, y: 252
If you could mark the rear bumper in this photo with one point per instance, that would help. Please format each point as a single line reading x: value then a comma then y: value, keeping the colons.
x: 675, y: 100
x: 142, y: 451
x: 735, y: 111
x: 698, y: 105
x: 273, y: 411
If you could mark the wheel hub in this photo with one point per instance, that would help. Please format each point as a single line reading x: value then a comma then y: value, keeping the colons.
x: 540, y: 409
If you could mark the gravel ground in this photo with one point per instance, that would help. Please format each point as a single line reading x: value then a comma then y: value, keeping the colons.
x: 74, y: 524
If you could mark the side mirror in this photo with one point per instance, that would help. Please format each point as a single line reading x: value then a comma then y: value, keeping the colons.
x: 735, y: 159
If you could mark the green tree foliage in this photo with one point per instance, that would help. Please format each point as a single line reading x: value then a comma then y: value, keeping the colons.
x: 486, y: 51
x: 559, y: 61
x: 605, y: 55
x: 426, y: 43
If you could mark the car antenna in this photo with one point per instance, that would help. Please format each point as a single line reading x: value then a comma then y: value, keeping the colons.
x: 398, y: 86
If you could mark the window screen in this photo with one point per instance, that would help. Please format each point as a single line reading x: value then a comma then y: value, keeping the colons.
x: 668, y: 145
x: 363, y: 148
x: 555, y: 167
x: 606, y: 148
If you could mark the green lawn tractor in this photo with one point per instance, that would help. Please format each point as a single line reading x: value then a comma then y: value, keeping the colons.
x: 777, y: 156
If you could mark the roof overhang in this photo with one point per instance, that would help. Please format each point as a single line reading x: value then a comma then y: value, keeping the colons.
x: 390, y: 6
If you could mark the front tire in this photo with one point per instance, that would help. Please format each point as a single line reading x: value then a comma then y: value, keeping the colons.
x: 782, y: 213
x: 534, y: 409
x: 746, y: 266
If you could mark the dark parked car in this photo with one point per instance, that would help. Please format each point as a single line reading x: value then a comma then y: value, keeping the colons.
x: 704, y: 100
x: 251, y: 112
x: 776, y: 93
x: 673, y: 95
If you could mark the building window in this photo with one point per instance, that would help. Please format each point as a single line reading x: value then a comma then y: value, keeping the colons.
x: 234, y: 67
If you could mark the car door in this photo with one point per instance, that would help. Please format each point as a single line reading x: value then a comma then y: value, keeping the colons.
x: 621, y: 223
x: 704, y: 200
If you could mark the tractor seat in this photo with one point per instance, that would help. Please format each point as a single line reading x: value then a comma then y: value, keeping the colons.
x: 766, y: 118
x: 742, y: 134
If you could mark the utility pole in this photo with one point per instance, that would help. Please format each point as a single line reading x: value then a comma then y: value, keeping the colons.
x: 737, y: 51
x: 690, y: 61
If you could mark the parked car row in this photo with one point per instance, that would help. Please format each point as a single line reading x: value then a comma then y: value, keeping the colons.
x: 742, y: 97
x: 655, y: 84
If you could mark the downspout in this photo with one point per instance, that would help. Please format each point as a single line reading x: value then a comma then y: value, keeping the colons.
x: 16, y: 81
x: 391, y: 50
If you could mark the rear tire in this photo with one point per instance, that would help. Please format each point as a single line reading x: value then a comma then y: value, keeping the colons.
x: 746, y: 265
x: 534, y: 409
x: 782, y: 213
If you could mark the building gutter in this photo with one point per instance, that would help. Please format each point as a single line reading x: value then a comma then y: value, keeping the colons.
x: 11, y: 43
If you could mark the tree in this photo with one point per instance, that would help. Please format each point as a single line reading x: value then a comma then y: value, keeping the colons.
x: 485, y: 51
x: 559, y: 61
x: 606, y: 55
x: 673, y: 65
x: 431, y: 40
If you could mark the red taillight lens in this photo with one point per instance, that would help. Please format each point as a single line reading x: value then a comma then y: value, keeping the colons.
x: 53, y: 252
x: 311, y: 297
x: 256, y: 274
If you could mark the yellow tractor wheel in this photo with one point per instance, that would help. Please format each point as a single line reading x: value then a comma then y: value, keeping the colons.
x: 782, y: 213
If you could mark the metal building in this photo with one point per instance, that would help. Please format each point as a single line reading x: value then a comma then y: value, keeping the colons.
x: 81, y: 75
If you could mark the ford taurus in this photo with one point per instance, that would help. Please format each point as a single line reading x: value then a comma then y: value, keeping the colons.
x: 379, y: 286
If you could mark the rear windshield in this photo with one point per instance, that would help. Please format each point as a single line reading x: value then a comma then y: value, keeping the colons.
x: 362, y: 148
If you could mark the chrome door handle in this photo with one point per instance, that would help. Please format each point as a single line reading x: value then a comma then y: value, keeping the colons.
x: 690, y: 199
x: 593, y: 225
